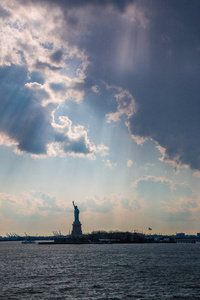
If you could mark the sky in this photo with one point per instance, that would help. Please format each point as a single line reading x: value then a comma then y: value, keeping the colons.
x: 99, y: 104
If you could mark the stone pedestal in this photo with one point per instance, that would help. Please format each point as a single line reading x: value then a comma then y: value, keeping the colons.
x: 76, y: 229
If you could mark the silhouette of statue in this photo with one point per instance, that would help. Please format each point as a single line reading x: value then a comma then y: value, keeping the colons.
x: 76, y: 213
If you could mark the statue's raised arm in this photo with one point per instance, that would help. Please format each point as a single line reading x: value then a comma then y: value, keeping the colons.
x: 76, y: 213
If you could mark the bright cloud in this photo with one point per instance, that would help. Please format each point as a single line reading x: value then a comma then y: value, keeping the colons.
x: 129, y: 163
x: 108, y: 163
x: 151, y: 178
x: 109, y: 203
x: 126, y: 106
x: 167, y: 200
x: 29, y: 204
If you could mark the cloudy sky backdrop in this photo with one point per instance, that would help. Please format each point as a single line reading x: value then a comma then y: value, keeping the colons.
x: 99, y: 104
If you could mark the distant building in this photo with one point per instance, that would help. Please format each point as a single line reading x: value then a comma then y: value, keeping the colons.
x: 180, y: 235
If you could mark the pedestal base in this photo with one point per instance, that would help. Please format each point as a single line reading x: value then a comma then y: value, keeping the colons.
x: 76, y: 229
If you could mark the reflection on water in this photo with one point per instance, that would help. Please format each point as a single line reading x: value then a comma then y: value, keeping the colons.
x: 137, y: 271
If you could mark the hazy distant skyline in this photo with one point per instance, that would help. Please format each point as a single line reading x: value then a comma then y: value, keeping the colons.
x: 99, y: 104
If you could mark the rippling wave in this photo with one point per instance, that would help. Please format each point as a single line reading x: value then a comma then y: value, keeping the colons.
x: 115, y: 271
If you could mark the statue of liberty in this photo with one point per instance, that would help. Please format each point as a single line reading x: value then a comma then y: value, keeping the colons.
x: 76, y: 226
x: 76, y: 213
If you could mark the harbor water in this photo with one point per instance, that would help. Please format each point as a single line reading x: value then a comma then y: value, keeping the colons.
x: 113, y: 271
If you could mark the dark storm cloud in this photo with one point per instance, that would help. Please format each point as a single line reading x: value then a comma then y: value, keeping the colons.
x: 21, y: 118
x: 43, y: 65
x: 3, y: 13
x: 84, y: 85
x: 119, y: 4
x: 168, y: 89
x: 77, y: 146
x: 159, y: 64
x: 57, y: 56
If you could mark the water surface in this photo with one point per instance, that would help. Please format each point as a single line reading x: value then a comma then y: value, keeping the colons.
x: 116, y: 271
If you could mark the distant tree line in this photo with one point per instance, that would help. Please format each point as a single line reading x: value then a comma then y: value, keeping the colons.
x: 120, y: 236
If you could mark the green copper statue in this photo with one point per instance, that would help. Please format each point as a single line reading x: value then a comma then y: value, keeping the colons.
x: 76, y: 213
